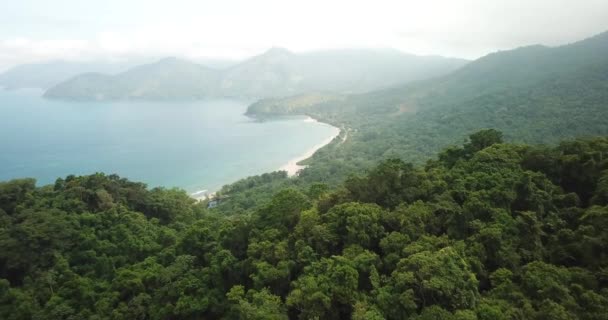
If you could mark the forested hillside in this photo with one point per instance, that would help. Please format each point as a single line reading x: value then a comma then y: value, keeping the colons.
x: 533, y: 94
x: 484, y: 231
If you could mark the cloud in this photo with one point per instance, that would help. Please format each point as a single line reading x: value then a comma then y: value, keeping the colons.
x: 237, y: 29
x: 24, y: 50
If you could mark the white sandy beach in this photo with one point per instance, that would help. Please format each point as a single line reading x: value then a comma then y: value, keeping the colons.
x: 292, y: 167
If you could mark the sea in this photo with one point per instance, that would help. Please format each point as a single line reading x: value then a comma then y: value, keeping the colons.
x: 196, y: 145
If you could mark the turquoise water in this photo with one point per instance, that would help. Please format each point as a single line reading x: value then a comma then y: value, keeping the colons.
x: 194, y: 145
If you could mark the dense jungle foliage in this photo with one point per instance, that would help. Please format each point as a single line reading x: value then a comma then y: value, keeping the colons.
x: 488, y: 230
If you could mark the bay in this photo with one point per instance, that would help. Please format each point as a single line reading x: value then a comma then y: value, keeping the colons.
x: 194, y: 145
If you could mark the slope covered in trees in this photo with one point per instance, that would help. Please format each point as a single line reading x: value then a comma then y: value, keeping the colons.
x: 485, y: 231
x: 533, y: 94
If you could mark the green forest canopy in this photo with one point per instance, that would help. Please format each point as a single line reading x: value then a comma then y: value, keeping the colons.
x: 488, y: 230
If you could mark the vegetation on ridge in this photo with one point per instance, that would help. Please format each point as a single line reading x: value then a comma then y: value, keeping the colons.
x: 535, y: 95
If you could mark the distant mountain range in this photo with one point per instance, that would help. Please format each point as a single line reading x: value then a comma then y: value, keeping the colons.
x: 44, y: 75
x: 47, y: 74
x: 275, y: 73
x: 510, y: 79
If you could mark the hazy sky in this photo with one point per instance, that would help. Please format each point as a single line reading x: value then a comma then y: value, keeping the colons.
x: 33, y: 30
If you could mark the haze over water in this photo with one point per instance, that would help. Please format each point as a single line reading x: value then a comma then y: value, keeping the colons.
x: 193, y: 145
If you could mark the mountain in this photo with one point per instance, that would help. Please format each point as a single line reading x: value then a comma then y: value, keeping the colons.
x: 532, y: 94
x: 275, y: 73
x: 48, y: 74
x: 168, y: 78
x: 279, y: 72
x: 364, y: 70
x: 522, y: 69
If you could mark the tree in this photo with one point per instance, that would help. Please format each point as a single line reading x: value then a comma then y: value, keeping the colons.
x: 325, y: 290
x: 441, y: 277
x: 255, y: 305
x: 283, y: 211
x: 355, y: 223
x: 14, y: 192
x: 482, y: 139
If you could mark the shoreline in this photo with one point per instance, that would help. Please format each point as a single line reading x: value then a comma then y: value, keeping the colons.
x: 292, y: 167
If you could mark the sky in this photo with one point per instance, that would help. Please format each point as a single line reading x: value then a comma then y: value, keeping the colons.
x: 42, y: 30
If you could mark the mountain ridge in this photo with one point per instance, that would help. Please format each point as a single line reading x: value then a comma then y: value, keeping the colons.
x: 547, y: 95
x: 274, y: 73
x: 44, y: 75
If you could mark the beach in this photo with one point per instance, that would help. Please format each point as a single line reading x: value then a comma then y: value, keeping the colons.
x: 292, y: 167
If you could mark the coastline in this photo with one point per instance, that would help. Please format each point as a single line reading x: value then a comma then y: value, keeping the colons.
x: 292, y: 167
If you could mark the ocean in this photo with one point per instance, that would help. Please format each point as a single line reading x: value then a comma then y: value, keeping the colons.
x: 194, y: 145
